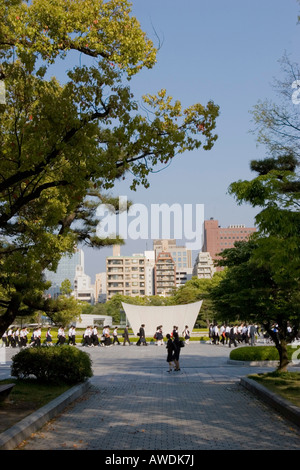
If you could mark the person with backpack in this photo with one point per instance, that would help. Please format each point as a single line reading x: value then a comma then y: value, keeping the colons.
x: 142, y: 338
x: 171, y: 352
x: 186, y: 334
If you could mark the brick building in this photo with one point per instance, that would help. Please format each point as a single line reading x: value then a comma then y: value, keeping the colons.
x: 217, y: 238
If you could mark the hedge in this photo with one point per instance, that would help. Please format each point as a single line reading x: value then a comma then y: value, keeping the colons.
x: 52, y: 364
x: 258, y: 353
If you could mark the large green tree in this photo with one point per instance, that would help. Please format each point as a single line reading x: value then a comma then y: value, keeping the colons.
x: 249, y: 292
x: 197, y: 289
x: 64, y: 144
x: 273, y: 263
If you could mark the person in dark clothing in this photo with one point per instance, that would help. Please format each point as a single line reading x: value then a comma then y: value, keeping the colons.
x: 126, y: 336
x: 171, y: 352
x: 176, y: 343
x: 232, y: 336
x: 142, y: 338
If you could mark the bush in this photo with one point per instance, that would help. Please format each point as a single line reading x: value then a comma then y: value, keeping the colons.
x: 258, y: 353
x: 55, y: 364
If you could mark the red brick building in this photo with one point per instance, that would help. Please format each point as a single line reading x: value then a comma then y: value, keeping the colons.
x: 217, y: 239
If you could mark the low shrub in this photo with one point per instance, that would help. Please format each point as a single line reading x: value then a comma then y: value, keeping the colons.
x: 258, y: 353
x: 52, y: 364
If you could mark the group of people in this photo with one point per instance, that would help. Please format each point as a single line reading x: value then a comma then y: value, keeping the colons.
x: 235, y: 334
x: 19, y: 337
x: 173, y: 349
x: 91, y: 336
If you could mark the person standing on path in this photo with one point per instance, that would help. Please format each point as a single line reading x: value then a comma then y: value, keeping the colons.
x: 171, y: 352
x: 176, y: 343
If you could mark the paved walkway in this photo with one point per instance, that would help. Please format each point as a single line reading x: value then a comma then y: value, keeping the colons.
x: 134, y: 403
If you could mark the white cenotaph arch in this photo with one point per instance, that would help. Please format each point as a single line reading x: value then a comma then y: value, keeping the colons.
x: 167, y: 316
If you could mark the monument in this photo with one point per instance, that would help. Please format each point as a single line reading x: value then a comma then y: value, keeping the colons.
x: 167, y: 316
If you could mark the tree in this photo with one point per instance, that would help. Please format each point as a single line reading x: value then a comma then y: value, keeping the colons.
x: 66, y: 288
x: 199, y: 289
x: 64, y: 310
x: 274, y: 261
x: 277, y: 125
x: 249, y: 293
x: 64, y: 145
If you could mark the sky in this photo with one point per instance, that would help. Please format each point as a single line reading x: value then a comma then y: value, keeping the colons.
x: 224, y: 51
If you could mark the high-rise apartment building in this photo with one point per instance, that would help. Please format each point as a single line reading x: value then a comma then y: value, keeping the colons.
x: 180, y: 254
x: 204, y: 266
x: 100, y: 287
x: 217, y: 239
x: 164, y: 274
x: 126, y: 275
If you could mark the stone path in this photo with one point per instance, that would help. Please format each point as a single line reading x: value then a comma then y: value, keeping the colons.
x: 135, y: 404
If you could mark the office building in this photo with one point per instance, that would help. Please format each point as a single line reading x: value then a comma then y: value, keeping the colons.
x: 217, y: 239
x: 66, y: 269
x: 83, y: 289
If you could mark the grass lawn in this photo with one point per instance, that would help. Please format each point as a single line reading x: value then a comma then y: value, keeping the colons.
x: 26, y: 397
x: 285, y: 384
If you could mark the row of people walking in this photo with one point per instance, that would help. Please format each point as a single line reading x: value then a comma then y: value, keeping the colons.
x: 227, y: 334
x: 20, y: 337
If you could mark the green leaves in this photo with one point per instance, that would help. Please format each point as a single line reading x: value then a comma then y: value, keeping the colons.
x: 62, y: 141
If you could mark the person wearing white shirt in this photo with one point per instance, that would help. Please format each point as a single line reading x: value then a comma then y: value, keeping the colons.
x: 61, y: 337
x: 71, y: 335
x: 94, y: 337
x: 232, y: 336
x: 216, y: 334
x: 9, y: 337
x: 87, y: 341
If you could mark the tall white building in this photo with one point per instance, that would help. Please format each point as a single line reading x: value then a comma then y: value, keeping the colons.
x: 129, y: 275
x: 204, y: 266
x: 83, y: 289
x: 149, y: 272
x: 100, y: 287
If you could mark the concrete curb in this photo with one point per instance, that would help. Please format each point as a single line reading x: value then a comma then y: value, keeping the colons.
x: 12, y: 437
x: 287, y: 409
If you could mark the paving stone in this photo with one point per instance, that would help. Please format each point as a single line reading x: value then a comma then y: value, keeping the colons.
x: 134, y: 404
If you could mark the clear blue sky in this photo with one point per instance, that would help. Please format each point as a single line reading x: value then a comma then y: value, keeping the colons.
x: 225, y: 51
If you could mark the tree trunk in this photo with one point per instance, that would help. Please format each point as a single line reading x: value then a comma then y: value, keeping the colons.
x: 9, y: 316
x: 283, y: 356
x: 280, y: 341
